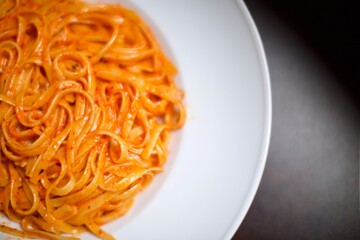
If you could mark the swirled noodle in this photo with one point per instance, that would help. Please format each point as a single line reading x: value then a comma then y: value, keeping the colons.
x: 87, y: 104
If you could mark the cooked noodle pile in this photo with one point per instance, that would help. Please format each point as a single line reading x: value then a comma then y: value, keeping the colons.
x: 87, y: 103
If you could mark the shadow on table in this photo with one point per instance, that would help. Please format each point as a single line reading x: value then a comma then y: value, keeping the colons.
x: 310, y: 186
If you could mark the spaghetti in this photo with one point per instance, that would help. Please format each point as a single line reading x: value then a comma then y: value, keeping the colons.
x: 87, y: 103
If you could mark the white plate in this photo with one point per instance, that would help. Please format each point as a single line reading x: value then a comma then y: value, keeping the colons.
x: 216, y: 166
x: 210, y: 183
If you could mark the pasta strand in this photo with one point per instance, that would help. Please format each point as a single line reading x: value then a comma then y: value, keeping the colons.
x: 87, y: 104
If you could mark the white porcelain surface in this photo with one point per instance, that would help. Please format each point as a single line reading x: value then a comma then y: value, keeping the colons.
x: 215, y: 169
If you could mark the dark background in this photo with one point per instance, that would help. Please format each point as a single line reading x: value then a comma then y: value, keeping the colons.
x: 329, y: 27
x: 310, y: 186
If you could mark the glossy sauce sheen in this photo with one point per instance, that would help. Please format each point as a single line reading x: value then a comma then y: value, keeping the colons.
x: 87, y: 104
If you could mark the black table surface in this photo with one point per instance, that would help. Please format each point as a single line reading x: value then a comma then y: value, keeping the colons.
x: 310, y: 186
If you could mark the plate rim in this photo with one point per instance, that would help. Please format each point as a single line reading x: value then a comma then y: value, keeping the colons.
x: 261, y: 161
x: 267, y: 121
